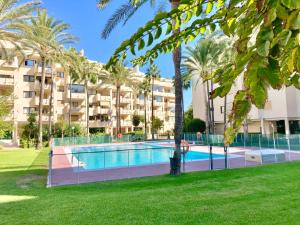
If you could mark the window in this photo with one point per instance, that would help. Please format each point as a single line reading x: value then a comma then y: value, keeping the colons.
x: 61, y: 89
x: 29, y: 63
x: 158, y: 98
x: 28, y: 94
x: 77, y: 88
x: 75, y: 104
x: 60, y: 74
x: 28, y: 78
x: 27, y: 110
x: 222, y: 109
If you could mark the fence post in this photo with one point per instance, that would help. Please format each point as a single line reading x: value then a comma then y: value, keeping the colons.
x: 78, y: 168
x: 211, y: 157
x: 226, y: 159
x: 259, y: 141
x: 50, y: 168
x: 289, y: 146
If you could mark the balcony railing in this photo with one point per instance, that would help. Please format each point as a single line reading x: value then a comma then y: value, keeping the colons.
x: 6, y: 81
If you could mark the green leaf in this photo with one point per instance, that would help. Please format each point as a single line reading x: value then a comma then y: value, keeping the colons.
x: 132, y: 49
x: 188, y: 17
x: 293, y: 21
x: 169, y: 28
x: 158, y: 32
x: 291, y: 4
x: 270, y: 17
x: 209, y: 7
x: 297, y: 60
x: 202, y: 30
x: 150, y: 39
x: 141, y: 44
x: 263, y: 48
x: 199, y: 10
x: 295, y: 80
x: 212, y: 27
x: 220, y: 3
x: 178, y: 23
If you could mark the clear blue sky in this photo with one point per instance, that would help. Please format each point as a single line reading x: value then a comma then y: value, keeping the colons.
x: 87, y: 23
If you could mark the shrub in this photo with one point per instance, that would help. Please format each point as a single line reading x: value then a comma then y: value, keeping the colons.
x: 195, y: 125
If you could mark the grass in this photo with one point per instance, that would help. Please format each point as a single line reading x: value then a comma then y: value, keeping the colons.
x: 262, y: 195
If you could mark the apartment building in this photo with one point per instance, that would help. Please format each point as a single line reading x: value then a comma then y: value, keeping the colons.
x: 280, y: 115
x: 70, y: 99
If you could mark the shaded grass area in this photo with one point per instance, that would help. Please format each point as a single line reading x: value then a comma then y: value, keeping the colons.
x: 262, y: 195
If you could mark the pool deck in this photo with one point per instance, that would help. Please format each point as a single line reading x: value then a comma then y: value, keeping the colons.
x: 63, y: 172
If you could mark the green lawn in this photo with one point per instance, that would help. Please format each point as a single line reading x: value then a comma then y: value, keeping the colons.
x: 262, y: 195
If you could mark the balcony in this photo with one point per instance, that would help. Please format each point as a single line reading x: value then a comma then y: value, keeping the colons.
x: 123, y: 100
x: 37, y: 85
x: 96, y: 123
x: 126, y: 123
x: 100, y: 110
x: 7, y: 81
x: 125, y: 112
x: 156, y: 103
x: 37, y: 101
x: 76, y: 96
x: 13, y: 64
x: 77, y: 110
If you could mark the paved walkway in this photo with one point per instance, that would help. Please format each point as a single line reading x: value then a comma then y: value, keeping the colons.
x: 64, y: 172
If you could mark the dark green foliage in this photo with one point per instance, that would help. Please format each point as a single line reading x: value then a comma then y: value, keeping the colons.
x: 195, y: 125
x: 29, y: 134
x: 157, y: 124
x: 136, y: 120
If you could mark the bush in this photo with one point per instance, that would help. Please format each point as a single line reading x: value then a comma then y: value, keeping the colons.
x: 194, y: 125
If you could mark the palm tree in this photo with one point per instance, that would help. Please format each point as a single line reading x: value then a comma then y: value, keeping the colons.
x: 123, y: 14
x: 152, y: 74
x: 46, y: 37
x: 87, y: 72
x: 118, y: 75
x: 201, y: 60
x: 11, y: 13
x: 144, y: 90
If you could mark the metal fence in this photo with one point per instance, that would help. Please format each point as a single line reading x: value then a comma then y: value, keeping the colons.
x: 276, y: 141
x: 96, y: 140
x: 69, y: 165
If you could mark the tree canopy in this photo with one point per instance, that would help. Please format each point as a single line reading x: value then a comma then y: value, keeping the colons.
x: 266, y: 38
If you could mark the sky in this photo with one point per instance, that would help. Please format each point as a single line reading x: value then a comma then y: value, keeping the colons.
x: 87, y: 22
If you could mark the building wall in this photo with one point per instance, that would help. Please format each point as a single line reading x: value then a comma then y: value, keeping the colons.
x: 281, y: 104
x: 102, y: 99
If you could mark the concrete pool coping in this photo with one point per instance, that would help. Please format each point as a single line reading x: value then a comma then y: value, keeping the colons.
x: 63, y: 173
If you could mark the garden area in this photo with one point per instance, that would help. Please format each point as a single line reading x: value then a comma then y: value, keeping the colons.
x: 260, y: 195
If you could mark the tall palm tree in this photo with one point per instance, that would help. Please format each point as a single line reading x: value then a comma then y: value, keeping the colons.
x: 145, y: 90
x: 87, y: 72
x: 123, y: 14
x: 118, y: 75
x: 46, y: 37
x: 201, y: 60
x: 152, y: 74
x: 11, y: 13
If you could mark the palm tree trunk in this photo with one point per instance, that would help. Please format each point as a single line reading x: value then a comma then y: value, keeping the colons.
x: 118, y: 114
x: 70, y: 104
x: 178, y: 99
x: 50, y: 108
x: 145, y: 115
x: 40, y: 123
x: 87, y: 109
x: 152, y: 108
x: 208, y: 109
x: 212, y: 110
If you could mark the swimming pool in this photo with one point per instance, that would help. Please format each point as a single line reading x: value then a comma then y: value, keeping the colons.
x: 124, y: 155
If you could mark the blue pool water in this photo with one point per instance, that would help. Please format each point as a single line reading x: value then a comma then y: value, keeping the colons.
x: 113, y: 156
